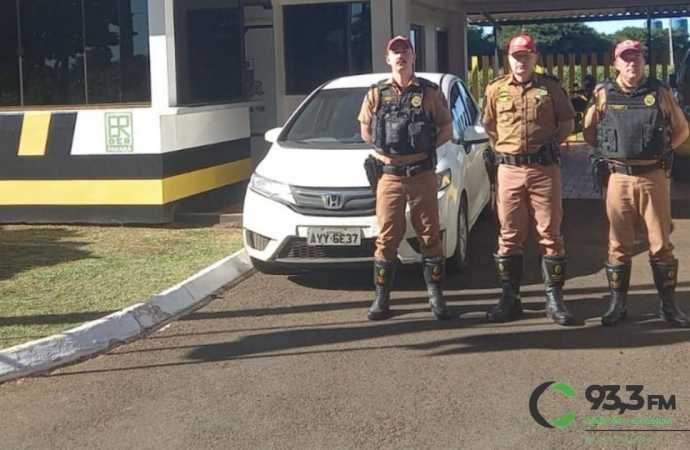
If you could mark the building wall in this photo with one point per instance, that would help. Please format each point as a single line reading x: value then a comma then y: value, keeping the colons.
x: 121, y: 164
x: 62, y: 165
x: 428, y: 13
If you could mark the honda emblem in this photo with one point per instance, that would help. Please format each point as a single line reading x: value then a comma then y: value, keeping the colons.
x: 333, y: 201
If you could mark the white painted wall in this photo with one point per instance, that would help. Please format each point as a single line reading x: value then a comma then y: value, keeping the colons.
x: 162, y: 54
x: 429, y: 18
x: 194, y: 127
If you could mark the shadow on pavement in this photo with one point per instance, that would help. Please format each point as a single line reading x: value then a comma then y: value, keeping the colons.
x: 638, y: 331
x: 585, y: 230
x: 455, y: 300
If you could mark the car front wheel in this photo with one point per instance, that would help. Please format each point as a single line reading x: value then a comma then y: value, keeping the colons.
x: 458, y: 261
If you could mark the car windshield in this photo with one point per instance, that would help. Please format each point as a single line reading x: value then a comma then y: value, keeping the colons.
x: 329, y: 119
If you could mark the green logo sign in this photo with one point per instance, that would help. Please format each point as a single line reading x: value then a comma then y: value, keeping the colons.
x: 119, y: 133
x: 534, y: 408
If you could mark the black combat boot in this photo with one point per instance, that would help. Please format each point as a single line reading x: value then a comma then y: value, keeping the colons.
x: 384, y: 277
x: 434, y: 269
x: 619, y: 282
x: 665, y: 277
x: 510, y: 273
x: 553, y: 272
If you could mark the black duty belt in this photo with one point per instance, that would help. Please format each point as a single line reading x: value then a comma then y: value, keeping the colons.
x: 410, y: 169
x: 636, y: 170
x: 547, y: 155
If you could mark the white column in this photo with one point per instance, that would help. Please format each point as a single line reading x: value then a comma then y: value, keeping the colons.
x: 401, y: 17
x: 381, y: 28
x: 162, y: 54
x: 380, y: 33
x: 457, y: 44
x: 278, y: 41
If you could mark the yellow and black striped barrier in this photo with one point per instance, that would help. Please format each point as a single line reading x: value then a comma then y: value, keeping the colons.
x: 41, y: 181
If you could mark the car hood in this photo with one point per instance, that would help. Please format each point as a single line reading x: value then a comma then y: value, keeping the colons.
x: 313, y: 167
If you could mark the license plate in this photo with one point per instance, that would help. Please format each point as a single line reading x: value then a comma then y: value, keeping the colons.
x: 334, y: 236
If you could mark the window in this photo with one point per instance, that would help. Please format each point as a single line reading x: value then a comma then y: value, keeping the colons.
x: 472, y: 110
x: 325, y: 41
x: 10, y: 90
x: 209, y: 42
x: 442, y: 55
x: 330, y: 118
x: 417, y: 38
x: 74, y: 52
x: 458, y: 113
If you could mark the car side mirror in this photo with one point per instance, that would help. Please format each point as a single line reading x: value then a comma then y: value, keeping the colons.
x: 475, y: 134
x: 673, y: 80
x: 272, y: 134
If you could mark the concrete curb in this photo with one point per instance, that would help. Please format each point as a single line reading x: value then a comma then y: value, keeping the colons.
x: 132, y: 323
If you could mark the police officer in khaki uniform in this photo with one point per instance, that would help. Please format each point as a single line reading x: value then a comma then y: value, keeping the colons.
x: 527, y: 115
x: 406, y: 118
x: 636, y: 123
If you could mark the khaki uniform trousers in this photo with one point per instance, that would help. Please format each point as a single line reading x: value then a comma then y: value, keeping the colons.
x: 630, y: 198
x: 529, y: 195
x: 392, y: 196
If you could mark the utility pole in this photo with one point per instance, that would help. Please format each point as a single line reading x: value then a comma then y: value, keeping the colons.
x: 670, y: 42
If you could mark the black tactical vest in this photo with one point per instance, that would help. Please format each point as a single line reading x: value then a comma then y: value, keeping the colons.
x: 399, y: 125
x: 633, y: 126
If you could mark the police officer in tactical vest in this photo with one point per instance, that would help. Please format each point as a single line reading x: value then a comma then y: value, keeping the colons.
x: 406, y: 118
x: 635, y: 123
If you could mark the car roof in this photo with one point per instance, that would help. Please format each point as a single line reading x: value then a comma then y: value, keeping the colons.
x: 367, y: 80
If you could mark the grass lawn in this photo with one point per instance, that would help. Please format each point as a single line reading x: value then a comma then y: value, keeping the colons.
x: 53, y: 278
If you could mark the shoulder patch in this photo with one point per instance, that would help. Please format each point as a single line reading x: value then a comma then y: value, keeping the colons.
x: 496, y: 79
x: 423, y: 82
x: 551, y: 77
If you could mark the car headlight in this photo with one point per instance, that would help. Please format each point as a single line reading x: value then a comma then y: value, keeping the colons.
x: 443, y: 179
x: 274, y: 190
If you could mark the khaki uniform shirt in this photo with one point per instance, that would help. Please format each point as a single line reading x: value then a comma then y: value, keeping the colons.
x: 525, y: 116
x: 669, y: 109
x: 435, y: 107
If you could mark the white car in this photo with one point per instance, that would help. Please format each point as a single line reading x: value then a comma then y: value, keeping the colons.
x: 309, y: 203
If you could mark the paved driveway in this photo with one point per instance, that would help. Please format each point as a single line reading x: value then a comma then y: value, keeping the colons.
x: 292, y: 362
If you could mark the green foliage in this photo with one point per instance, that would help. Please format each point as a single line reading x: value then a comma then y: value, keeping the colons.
x: 559, y: 38
x: 577, y: 38
x: 565, y: 81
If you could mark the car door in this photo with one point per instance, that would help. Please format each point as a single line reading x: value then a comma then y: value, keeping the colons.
x: 479, y: 177
x: 464, y: 113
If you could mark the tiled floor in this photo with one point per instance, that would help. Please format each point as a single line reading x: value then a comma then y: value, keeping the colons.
x: 577, y: 178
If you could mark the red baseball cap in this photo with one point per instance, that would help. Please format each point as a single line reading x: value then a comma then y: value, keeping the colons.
x: 399, y: 38
x: 627, y: 45
x: 522, y: 43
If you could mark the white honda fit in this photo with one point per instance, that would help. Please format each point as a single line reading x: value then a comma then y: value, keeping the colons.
x: 309, y: 203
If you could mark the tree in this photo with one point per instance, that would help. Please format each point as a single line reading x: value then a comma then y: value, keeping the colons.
x: 659, y: 41
x: 558, y: 38
x: 478, y: 43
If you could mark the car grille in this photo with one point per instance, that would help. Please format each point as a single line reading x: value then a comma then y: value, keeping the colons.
x: 297, y: 248
x: 334, y: 202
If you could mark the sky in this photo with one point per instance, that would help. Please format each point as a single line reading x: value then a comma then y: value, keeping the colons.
x: 614, y: 25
